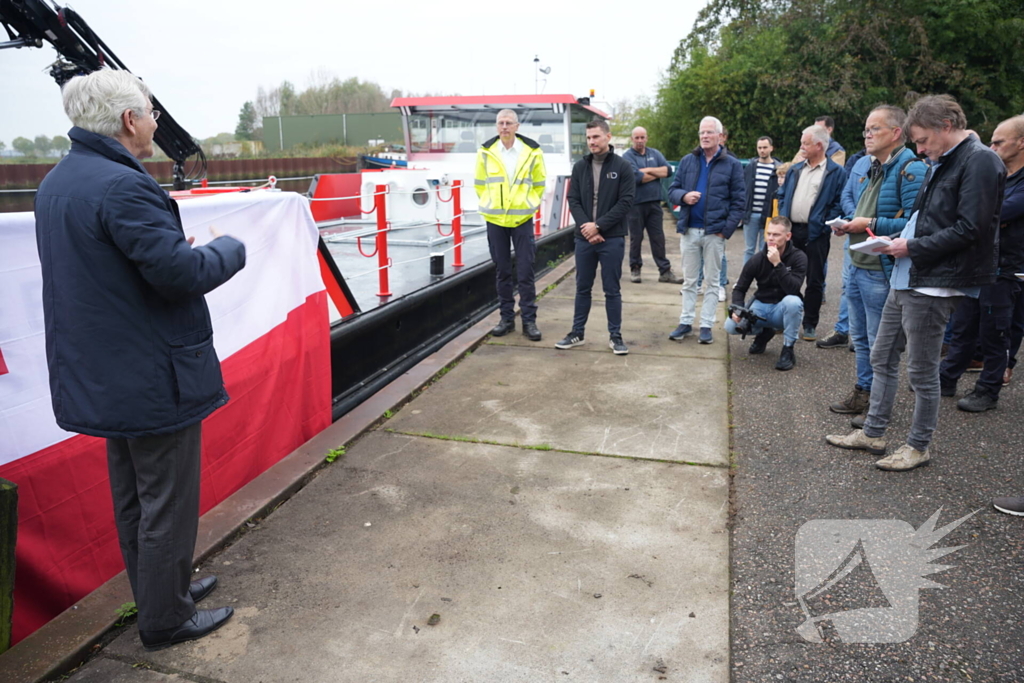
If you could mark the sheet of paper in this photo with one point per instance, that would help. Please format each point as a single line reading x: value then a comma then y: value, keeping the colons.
x: 872, y: 245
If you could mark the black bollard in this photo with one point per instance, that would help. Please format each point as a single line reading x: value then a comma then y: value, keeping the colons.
x: 437, y: 265
x: 8, y: 539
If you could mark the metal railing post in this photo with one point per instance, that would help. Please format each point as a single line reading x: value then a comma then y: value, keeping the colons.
x: 380, y: 204
x: 457, y: 222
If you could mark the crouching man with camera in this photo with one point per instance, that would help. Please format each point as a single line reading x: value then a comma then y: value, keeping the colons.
x: 779, y: 270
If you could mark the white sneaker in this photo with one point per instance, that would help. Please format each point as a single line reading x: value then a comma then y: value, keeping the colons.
x: 905, y: 458
x: 857, y: 440
x: 721, y: 293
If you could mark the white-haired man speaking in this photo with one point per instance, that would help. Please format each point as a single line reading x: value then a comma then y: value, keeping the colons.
x: 129, y: 342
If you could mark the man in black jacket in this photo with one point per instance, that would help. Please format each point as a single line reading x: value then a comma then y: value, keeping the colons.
x: 948, y: 250
x: 983, y: 324
x: 600, y: 196
x: 779, y: 271
x: 762, y: 183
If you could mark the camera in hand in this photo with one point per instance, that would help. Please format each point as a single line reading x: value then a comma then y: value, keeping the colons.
x: 747, y: 319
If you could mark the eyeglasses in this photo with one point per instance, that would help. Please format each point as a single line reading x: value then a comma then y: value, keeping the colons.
x: 875, y: 130
x: 155, y: 114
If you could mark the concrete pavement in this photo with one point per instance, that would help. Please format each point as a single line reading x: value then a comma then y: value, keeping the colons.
x: 562, y: 515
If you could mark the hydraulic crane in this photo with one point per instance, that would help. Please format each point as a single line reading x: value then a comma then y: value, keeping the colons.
x: 31, y: 23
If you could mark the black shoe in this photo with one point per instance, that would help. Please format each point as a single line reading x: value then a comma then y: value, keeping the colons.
x: 833, y: 340
x: 760, y: 342
x: 858, y: 422
x: 205, y: 621
x: 198, y: 590
x: 503, y: 328
x: 977, y: 402
x: 531, y: 332
x: 669, y: 276
x: 787, y: 359
x: 616, y: 345
x: 634, y: 275
x: 947, y: 390
x: 572, y: 339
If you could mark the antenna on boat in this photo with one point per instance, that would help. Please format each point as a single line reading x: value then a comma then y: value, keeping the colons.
x: 538, y: 70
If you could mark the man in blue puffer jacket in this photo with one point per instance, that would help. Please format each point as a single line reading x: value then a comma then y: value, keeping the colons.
x: 886, y: 196
x: 129, y: 341
x: 709, y: 189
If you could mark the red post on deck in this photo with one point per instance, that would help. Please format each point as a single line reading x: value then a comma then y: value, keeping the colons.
x: 536, y: 223
x: 380, y: 204
x: 457, y: 222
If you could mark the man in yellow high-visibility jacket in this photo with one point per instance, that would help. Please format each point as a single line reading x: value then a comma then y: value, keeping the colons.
x: 510, y: 184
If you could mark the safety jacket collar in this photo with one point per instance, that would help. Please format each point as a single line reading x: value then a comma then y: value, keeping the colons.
x: 525, y: 140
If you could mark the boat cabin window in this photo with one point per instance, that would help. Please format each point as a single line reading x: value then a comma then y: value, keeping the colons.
x: 463, y: 131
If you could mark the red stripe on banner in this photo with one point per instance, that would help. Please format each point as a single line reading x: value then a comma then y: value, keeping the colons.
x: 280, y: 388
x: 3, y: 365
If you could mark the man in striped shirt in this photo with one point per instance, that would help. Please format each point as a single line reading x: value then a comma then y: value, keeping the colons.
x: 761, y: 184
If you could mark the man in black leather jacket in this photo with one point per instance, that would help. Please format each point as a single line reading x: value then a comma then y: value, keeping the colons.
x: 983, y: 324
x: 948, y: 250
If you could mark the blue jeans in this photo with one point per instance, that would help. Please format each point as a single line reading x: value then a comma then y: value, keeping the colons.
x: 700, y: 253
x: 843, y: 322
x: 785, y: 315
x: 723, y: 275
x: 866, y: 291
x: 609, y: 254
x: 753, y: 236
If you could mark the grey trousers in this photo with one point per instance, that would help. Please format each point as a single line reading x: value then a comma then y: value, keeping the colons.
x: 155, y: 485
x: 916, y: 323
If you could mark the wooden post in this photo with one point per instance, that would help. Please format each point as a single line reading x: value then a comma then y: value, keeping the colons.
x: 8, y: 538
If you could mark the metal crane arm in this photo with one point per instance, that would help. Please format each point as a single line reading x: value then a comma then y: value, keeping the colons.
x: 31, y: 23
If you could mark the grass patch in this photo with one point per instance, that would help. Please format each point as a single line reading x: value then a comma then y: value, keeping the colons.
x: 548, y: 447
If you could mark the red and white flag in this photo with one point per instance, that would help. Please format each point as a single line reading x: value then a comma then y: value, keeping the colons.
x: 272, y: 335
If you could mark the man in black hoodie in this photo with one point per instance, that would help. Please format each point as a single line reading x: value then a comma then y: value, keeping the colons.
x: 779, y: 270
x: 600, y: 196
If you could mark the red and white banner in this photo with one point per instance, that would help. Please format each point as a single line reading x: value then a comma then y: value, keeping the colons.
x: 272, y: 335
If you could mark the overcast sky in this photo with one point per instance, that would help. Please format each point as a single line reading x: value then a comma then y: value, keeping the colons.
x: 204, y: 60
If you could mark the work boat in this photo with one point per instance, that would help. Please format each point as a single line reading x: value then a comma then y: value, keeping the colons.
x: 408, y: 246
x: 305, y: 332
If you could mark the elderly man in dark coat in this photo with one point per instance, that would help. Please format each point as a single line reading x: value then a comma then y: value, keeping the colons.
x: 129, y: 340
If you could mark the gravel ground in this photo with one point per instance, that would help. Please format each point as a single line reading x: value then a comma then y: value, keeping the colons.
x: 786, y: 475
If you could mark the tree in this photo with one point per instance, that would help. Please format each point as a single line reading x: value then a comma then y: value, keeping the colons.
x: 43, y: 145
x: 61, y: 144
x: 246, y: 128
x: 626, y: 115
x: 770, y: 67
x: 24, y: 147
x: 3, y: 146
